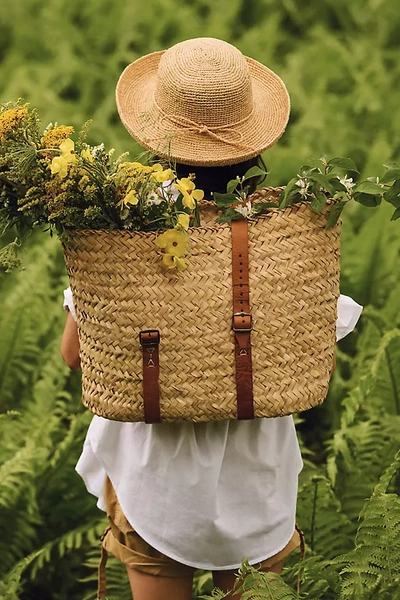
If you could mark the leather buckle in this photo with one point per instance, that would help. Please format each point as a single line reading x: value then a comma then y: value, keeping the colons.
x: 239, y: 328
x: 149, y: 337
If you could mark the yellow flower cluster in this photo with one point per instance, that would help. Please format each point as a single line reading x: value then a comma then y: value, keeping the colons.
x: 138, y: 171
x: 10, y: 119
x: 174, y: 242
x: 54, y: 137
x: 135, y: 180
x: 135, y: 173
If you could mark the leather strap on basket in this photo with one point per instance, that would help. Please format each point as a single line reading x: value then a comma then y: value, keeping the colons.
x: 150, y: 340
x: 242, y: 320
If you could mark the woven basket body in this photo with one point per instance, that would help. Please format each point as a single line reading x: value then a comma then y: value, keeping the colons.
x: 120, y: 290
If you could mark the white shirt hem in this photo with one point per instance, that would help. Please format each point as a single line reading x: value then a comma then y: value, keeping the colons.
x: 198, y: 565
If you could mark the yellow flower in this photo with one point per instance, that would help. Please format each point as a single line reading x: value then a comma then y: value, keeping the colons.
x: 130, y: 198
x: 59, y: 164
x: 10, y: 119
x: 134, y: 165
x: 173, y: 242
x: 183, y: 220
x: 67, y: 148
x: 189, y: 193
x: 87, y: 155
x: 170, y: 261
x: 54, y: 137
x: 161, y: 175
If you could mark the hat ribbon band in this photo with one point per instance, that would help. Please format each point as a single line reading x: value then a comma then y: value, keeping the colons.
x: 223, y: 133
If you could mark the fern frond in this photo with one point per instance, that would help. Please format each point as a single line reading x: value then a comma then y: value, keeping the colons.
x: 375, y: 561
x: 16, y: 472
x: 13, y: 580
x: 319, y: 514
x: 370, y: 446
x: 319, y: 578
x: 388, y: 475
x: 370, y: 260
x: 22, y: 321
x: 258, y: 585
x: 71, y: 540
x: 117, y: 579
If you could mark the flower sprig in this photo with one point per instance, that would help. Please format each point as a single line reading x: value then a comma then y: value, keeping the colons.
x: 316, y: 184
x: 326, y: 180
x: 236, y: 200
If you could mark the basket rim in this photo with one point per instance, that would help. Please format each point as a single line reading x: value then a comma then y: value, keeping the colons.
x: 204, y: 204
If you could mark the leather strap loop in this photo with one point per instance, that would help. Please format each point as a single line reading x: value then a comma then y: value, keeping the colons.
x: 150, y: 340
x: 242, y: 320
x: 101, y: 574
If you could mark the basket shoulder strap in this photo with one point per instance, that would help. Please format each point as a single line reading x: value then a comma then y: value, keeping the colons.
x: 242, y: 320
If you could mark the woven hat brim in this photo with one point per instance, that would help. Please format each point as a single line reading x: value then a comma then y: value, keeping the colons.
x: 154, y: 131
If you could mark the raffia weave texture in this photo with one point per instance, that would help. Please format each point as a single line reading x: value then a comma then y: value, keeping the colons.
x: 119, y: 290
x: 202, y: 102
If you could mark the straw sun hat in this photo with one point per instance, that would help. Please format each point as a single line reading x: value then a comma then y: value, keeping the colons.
x: 202, y: 103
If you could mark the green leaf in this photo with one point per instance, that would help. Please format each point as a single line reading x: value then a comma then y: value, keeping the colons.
x: 323, y: 181
x: 334, y: 213
x: 391, y: 175
x: 338, y: 187
x: 254, y: 172
x: 343, y: 163
x: 232, y: 185
x: 263, y: 206
x: 289, y: 193
x: 229, y: 215
x: 395, y: 215
x: 367, y: 187
x: 318, y: 203
x: 224, y: 199
x: 392, y: 194
x: 392, y: 165
x: 367, y: 199
x: 306, y: 169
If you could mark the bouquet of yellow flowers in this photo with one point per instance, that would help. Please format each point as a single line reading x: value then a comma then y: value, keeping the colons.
x: 48, y: 179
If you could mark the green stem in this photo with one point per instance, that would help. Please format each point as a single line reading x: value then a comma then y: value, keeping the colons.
x: 196, y: 216
x: 156, y: 220
x: 47, y: 150
x: 313, y: 516
x: 393, y: 381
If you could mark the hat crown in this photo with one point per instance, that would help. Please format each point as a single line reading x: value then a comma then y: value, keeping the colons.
x: 205, y: 81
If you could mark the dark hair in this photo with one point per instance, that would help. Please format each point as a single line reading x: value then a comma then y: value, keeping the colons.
x: 215, y: 179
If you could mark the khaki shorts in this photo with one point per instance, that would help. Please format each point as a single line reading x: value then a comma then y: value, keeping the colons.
x: 124, y: 543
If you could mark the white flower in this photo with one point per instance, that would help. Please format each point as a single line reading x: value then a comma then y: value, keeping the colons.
x: 171, y: 191
x: 97, y: 149
x: 166, y: 192
x: 155, y: 197
x: 347, y: 182
x: 245, y: 211
x: 303, y: 185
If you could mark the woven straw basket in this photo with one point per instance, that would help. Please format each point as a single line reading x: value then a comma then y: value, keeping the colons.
x: 120, y: 290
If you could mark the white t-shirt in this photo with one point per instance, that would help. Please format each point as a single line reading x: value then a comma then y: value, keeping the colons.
x: 205, y: 494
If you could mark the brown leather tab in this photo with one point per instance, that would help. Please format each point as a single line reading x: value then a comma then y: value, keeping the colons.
x: 303, y: 555
x: 150, y: 340
x: 242, y: 321
x: 101, y: 577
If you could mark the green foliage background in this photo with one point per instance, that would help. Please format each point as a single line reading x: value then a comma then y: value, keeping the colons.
x: 339, y: 59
